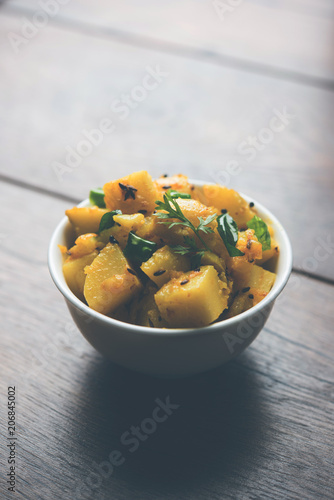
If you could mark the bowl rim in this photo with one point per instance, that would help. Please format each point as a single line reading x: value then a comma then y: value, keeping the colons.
x: 214, y: 327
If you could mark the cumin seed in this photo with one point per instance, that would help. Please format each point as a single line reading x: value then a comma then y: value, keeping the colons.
x: 159, y: 273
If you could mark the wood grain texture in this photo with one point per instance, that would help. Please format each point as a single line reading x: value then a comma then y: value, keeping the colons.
x: 296, y: 36
x: 260, y: 427
x: 193, y: 122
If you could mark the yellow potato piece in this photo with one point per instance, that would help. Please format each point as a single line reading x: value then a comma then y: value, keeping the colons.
x: 74, y: 274
x: 178, y: 183
x: 223, y: 198
x: 110, y: 281
x: 132, y: 193
x: 85, y: 219
x: 194, y: 299
x: 159, y: 267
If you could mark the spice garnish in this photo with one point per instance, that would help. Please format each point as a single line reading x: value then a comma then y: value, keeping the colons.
x: 251, y: 296
x: 159, y: 273
x: 166, y: 187
x: 130, y: 191
x: 223, y: 211
x: 251, y: 204
x: 244, y: 290
x: 184, y: 282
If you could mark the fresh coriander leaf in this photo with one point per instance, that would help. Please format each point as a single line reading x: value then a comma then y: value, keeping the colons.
x: 195, y: 259
x: 208, y: 220
x: 191, y: 250
x: 203, y: 224
x: 172, y: 208
x: 228, y: 231
x: 172, y: 224
x: 96, y: 197
x: 233, y: 251
x: 107, y: 220
x: 180, y: 249
x: 174, y: 211
x: 261, y: 231
x: 177, y: 194
x: 191, y: 243
x: 137, y: 249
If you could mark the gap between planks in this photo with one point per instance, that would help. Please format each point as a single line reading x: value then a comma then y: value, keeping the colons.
x: 180, y: 50
x: 54, y: 194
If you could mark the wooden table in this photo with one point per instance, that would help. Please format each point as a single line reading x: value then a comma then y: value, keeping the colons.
x: 261, y: 426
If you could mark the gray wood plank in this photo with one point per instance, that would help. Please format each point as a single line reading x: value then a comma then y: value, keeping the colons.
x: 286, y: 34
x: 193, y: 122
x: 260, y: 427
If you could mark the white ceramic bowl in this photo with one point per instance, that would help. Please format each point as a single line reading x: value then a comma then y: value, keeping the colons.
x: 171, y: 352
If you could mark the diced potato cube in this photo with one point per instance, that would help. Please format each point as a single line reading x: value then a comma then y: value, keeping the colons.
x: 131, y: 222
x: 134, y: 193
x: 261, y: 279
x: 223, y: 198
x: 268, y: 254
x: 241, y: 303
x: 110, y: 281
x: 85, y: 219
x: 84, y: 244
x: 178, y: 183
x: 159, y: 267
x: 195, y: 299
x: 257, y: 281
x: 74, y: 274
